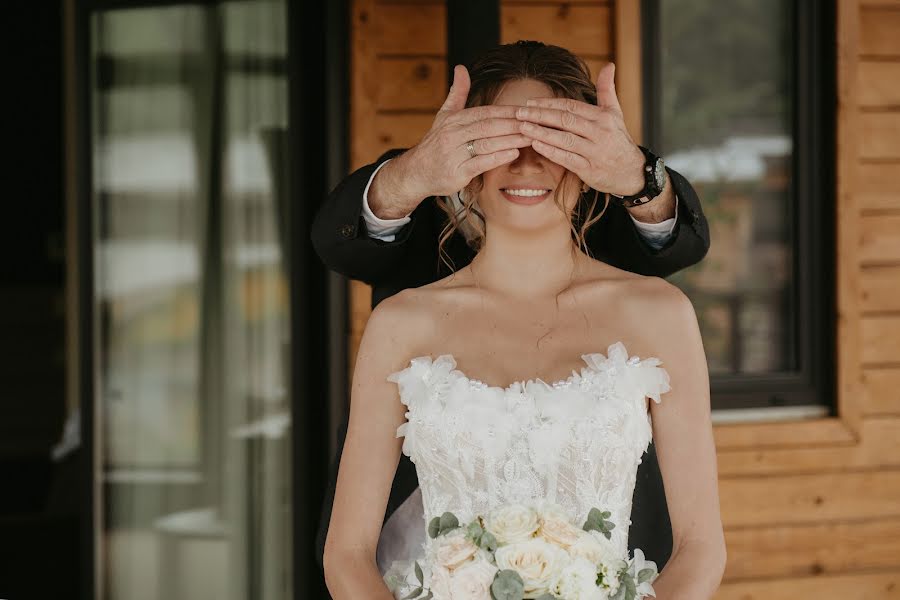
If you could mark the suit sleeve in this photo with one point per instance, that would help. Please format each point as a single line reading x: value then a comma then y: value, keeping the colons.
x: 340, y: 237
x: 621, y: 244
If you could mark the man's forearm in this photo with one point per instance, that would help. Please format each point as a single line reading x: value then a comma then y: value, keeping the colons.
x: 391, y: 195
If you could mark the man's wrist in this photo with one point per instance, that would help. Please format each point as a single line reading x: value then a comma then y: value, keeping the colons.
x: 657, y: 208
x: 390, y: 196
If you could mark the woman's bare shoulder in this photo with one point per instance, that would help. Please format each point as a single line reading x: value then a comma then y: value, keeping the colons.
x: 408, y: 320
x: 648, y: 305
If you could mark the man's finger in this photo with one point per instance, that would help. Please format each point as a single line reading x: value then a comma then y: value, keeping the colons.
x: 485, y: 162
x: 479, y: 113
x: 484, y: 129
x: 556, y: 118
x: 606, y: 88
x: 561, y: 139
x: 582, y: 109
x: 459, y: 90
x: 573, y: 162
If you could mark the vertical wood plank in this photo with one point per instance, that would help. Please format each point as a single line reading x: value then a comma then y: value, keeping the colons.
x: 627, y: 48
x: 849, y: 371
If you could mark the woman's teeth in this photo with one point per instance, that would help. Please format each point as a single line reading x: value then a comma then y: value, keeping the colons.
x: 526, y: 192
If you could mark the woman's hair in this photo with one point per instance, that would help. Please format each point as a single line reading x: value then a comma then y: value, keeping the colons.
x: 568, y: 76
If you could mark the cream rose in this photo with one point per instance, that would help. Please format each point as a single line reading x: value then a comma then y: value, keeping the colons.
x: 453, y: 549
x: 472, y: 581
x: 512, y: 523
x: 536, y: 561
x: 556, y: 528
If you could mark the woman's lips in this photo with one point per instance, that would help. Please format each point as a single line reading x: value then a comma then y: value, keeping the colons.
x: 525, y: 199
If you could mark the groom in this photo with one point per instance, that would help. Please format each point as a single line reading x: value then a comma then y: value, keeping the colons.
x: 369, y: 229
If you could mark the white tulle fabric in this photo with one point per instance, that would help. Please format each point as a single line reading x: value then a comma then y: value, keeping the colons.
x: 576, y: 442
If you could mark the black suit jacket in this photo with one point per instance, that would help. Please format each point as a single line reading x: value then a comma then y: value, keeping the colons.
x: 340, y: 238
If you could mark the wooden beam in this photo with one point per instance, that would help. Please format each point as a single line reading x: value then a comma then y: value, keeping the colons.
x: 629, y: 67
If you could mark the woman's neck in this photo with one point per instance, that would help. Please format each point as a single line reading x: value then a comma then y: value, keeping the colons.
x: 527, y: 265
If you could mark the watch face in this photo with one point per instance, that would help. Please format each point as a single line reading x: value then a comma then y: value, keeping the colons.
x: 660, y: 174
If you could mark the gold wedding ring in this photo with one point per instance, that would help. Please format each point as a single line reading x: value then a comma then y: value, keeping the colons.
x: 470, y: 146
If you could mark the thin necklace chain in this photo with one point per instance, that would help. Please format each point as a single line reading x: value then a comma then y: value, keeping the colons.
x: 556, y: 316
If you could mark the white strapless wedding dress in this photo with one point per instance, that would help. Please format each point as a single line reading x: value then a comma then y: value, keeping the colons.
x: 576, y: 442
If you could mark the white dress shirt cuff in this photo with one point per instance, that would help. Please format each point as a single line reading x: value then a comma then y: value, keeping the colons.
x: 657, y: 234
x: 382, y: 229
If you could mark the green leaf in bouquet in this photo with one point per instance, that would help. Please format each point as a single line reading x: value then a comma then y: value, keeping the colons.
x: 627, y: 590
x: 428, y: 596
x: 448, y: 522
x: 434, y: 527
x: 645, y: 575
x: 413, y: 594
x: 488, y: 541
x: 507, y: 585
x: 419, y: 574
x: 474, y: 531
x: 597, y: 521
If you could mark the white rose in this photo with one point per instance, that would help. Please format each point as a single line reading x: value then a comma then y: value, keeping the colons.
x: 512, y: 523
x: 578, y: 581
x: 557, y: 529
x: 602, y: 553
x: 536, y: 561
x: 453, y: 549
x: 439, y: 583
x: 472, y: 581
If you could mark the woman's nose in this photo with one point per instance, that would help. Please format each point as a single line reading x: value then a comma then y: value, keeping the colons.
x: 528, y: 158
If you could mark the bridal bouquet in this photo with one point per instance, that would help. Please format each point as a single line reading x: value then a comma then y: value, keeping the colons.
x: 519, y: 552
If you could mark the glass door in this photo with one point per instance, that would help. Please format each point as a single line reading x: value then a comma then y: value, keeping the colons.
x: 188, y: 134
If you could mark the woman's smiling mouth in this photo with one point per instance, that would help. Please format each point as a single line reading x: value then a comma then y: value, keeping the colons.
x: 525, y: 195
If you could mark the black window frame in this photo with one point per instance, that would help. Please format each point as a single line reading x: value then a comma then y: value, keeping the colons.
x: 813, y: 190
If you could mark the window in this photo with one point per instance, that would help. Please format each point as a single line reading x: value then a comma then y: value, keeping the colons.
x: 738, y: 98
x: 189, y: 115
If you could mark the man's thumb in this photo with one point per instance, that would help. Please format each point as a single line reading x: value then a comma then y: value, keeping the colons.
x: 606, y: 87
x: 459, y: 91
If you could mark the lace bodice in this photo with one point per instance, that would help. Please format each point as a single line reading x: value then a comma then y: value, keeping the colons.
x: 576, y: 442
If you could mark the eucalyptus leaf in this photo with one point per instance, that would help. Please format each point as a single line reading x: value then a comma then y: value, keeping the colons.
x: 627, y: 589
x: 507, y: 585
x: 419, y: 574
x: 413, y: 594
x: 596, y: 521
x: 474, y: 532
x: 448, y: 522
x: 645, y: 575
x: 434, y: 527
x: 488, y: 541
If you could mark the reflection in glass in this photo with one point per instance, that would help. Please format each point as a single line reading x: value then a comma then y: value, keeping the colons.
x: 189, y: 118
x: 726, y: 125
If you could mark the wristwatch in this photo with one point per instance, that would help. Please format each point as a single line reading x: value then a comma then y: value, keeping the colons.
x: 654, y: 181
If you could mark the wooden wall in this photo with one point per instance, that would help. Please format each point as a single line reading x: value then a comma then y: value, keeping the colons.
x: 811, y: 508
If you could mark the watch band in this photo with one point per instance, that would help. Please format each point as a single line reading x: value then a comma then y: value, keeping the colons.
x: 654, y: 181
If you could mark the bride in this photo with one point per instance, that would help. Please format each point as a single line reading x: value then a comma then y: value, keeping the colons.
x: 523, y: 379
